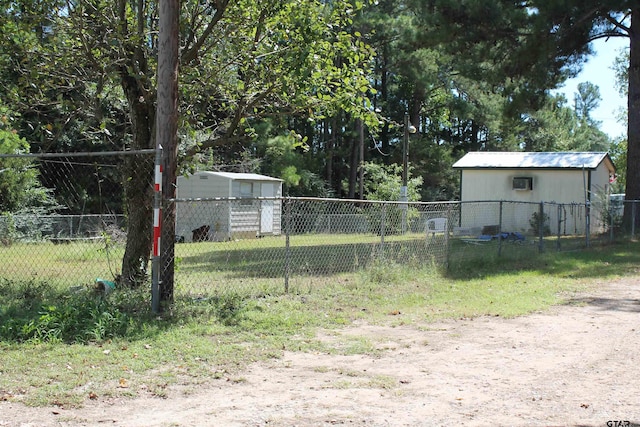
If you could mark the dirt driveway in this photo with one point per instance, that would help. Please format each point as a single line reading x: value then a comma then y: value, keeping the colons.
x: 577, y: 365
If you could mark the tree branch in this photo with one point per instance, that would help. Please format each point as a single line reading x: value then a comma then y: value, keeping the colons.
x: 191, y: 53
x: 618, y: 24
x: 606, y: 35
x: 216, y: 141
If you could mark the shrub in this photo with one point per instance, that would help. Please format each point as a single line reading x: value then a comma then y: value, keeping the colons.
x: 35, y: 313
x: 539, y: 223
x: 7, y: 229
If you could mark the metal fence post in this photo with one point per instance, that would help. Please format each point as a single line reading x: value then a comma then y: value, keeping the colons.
x: 382, y: 225
x: 287, y: 250
x: 157, y: 232
x: 500, y: 229
x: 560, y: 207
x: 541, y: 227
x: 447, y: 241
x: 587, y: 206
x: 633, y: 219
x: 611, y: 222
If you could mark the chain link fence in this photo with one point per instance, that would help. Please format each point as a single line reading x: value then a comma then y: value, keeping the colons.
x: 64, y: 221
x: 259, y: 245
x: 63, y: 216
x: 266, y: 244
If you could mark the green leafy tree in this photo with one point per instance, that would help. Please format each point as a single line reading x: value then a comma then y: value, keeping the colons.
x: 558, y: 127
x: 383, y: 182
x: 20, y: 189
x: 19, y: 184
x: 433, y: 163
x: 547, y: 41
x: 618, y: 153
x: 482, y: 99
x: 586, y: 100
x: 550, y: 128
x: 240, y: 62
x: 618, y: 148
x: 621, y: 71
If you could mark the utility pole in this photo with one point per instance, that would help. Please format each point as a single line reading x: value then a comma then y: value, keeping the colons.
x: 404, y: 195
x: 405, y: 159
x: 361, y: 129
x: 167, y: 137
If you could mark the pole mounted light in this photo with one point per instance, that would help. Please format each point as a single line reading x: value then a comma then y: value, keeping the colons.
x: 404, y: 195
x: 408, y: 129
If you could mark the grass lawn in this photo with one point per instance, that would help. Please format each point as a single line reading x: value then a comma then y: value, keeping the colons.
x: 63, y: 347
x: 211, y: 268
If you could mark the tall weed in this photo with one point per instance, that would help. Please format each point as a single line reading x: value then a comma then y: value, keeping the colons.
x: 32, y: 312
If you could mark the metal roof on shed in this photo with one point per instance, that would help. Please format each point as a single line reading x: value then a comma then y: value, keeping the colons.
x: 238, y: 176
x: 533, y: 160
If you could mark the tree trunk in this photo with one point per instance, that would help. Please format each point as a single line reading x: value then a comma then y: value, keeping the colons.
x: 353, y: 160
x: 361, y: 160
x: 138, y: 186
x: 633, y: 132
x: 384, y: 98
x: 329, y: 135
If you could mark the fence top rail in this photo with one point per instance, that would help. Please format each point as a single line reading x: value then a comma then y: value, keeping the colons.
x: 523, y: 202
x: 81, y: 154
x: 397, y: 202
x: 222, y: 199
x: 54, y: 215
x: 308, y: 199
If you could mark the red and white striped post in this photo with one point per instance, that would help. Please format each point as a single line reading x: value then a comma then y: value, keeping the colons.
x: 157, y: 232
x: 157, y: 213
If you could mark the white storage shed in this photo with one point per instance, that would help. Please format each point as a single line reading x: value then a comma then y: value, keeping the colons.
x: 219, y: 206
x: 573, y: 180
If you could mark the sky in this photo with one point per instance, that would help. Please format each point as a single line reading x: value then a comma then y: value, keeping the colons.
x: 597, y: 70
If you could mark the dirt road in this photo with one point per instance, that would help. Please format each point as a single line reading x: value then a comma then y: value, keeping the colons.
x: 575, y: 365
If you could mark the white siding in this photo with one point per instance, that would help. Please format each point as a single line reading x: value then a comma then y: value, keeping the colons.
x: 193, y: 215
x: 559, y: 186
x: 548, y: 185
x: 225, y: 219
x: 209, y: 186
x: 245, y: 219
x: 202, y: 186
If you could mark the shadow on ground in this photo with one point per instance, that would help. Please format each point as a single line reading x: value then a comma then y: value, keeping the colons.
x: 630, y: 305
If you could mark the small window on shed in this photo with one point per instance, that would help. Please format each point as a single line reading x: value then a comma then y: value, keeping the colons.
x: 522, y: 183
x: 246, y: 190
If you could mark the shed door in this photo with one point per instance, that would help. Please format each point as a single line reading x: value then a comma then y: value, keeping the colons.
x: 266, y: 211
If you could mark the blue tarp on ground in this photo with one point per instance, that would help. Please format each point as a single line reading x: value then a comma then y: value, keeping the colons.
x: 510, y: 236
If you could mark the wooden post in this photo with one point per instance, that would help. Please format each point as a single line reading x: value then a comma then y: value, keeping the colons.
x: 167, y: 135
